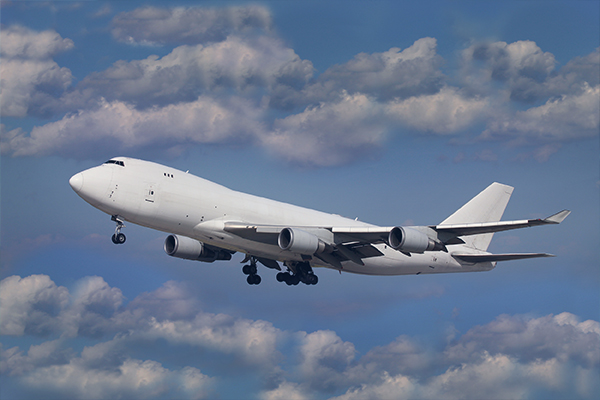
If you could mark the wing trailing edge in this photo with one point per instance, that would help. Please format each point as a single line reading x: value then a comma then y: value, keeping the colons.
x: 478, y: 258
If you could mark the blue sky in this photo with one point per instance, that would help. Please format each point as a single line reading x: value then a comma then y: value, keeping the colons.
x: 396, y: 113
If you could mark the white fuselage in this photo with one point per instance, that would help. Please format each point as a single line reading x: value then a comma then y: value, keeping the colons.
x: 169, y: 200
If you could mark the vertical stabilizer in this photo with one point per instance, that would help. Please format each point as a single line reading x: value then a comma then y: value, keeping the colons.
x: 487, y: 206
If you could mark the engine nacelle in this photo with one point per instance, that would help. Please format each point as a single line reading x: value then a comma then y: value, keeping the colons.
x: 299, y: 241
x: 191, y: 249
x: 410, y: 240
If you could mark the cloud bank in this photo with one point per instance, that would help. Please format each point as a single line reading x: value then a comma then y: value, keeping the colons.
x: 228, y: 77
x: 512, y: 356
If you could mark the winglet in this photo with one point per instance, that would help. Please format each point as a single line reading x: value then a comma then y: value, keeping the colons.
x: 558, y: 217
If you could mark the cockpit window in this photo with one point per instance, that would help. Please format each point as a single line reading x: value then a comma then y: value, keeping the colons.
x: 121, y: 163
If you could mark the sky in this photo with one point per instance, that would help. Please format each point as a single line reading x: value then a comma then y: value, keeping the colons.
x: 393, y: 112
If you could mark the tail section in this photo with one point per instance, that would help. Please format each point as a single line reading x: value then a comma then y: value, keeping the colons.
x: 487, y: 206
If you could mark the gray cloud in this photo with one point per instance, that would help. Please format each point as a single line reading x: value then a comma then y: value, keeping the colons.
x: 512, y: 356
x: 393, y: 74
x: 152, y: 25
x: 251, y: 87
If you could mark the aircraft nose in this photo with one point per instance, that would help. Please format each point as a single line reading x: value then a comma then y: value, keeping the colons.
x: 76, y: 182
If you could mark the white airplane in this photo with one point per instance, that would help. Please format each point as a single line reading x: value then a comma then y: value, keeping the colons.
x: 208, y: 222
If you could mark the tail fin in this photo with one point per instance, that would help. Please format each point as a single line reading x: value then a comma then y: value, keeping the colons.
x: 487, y: 206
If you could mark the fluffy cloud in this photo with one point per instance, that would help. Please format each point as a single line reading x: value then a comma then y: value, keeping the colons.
x: 396, y: 73
x: 511, y: 357
x: 235, y: 80
x: 120, y: 124
x: 566, y: 118
x: 90, y: 376
x: 331, y: 133
x: 151, y: 25
x: 30, y: 78
x: 30, y: 305
x: 189, y: 71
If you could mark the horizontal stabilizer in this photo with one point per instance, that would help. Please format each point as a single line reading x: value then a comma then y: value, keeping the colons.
x: 477, y: 258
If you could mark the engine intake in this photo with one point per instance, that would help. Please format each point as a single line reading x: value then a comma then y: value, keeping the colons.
x: 299, y: 241
x: 191, y: 249
x: 410, y: 240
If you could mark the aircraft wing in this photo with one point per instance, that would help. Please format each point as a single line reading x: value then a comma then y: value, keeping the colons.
x: 356, y: 243
x: 352, y: 244
x: 490, y: 227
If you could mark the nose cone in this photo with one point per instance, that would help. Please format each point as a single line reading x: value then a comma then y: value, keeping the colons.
x: 76, y: 182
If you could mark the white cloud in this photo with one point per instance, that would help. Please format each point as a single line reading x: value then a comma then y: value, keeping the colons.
x: 24, y: 43
x: 236, y: 63
x: 152, y: 25
x: 566, y: 118
x: 134, y: 379
x: 447, y: 111
x: 329, y: 134
x: 510, y: 357
x: 30, y: 78
x: 30, y: 305
x: 253, y: 88
x: 120, y: 124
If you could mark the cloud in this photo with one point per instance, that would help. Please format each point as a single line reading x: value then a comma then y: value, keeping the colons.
x: 236, y: 63
x: 152, y: 25
x: 235, y: 81
x: 393, y: 74
x: 30, y: 305
x: 559, y: 336
x: 512, y: 356
x: 566, y: 118
x: 329, y: 134
x: 120, y: 124
x: 90, y: 376
x: 30, y: 78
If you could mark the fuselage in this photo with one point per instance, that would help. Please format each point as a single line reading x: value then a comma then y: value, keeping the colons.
x: 176, y: 202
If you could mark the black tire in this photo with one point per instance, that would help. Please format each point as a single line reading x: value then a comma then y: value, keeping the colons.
x: 120, y: 238
x: 280, y: 277
x: 114, y: 239
x: 257, y: 279
x: 246, y: 270
x: 250, y: 279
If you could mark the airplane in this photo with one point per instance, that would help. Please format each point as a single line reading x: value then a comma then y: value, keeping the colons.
x: 208, y: 222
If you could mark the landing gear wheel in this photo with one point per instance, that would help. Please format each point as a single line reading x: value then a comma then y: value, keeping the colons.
x: 118, y: 238
x: 253, y: 279
x: 249, y: 269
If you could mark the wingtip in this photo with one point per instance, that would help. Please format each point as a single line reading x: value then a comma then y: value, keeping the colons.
x: 558, y: 217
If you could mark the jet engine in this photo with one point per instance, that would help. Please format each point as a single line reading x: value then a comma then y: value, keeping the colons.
x: 191, y: 249
x: 299, y: 241
x: 410, y: 240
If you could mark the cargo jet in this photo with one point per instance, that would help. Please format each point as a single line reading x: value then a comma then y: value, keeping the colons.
x: 209, y: 222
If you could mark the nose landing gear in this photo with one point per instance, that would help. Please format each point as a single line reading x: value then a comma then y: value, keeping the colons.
x: 118, y: 237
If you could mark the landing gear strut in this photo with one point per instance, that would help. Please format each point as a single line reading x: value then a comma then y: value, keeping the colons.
x: 251, y: 271
x: 118, y: 237
x: 300, y: 272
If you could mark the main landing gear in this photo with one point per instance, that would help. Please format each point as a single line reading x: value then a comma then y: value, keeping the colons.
x: 301, y: 272
x: 118, y: 237
x: 297, y: 272
x: 251, y: 271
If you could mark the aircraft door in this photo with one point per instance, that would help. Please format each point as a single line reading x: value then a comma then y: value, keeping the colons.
x: 150, y: 195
